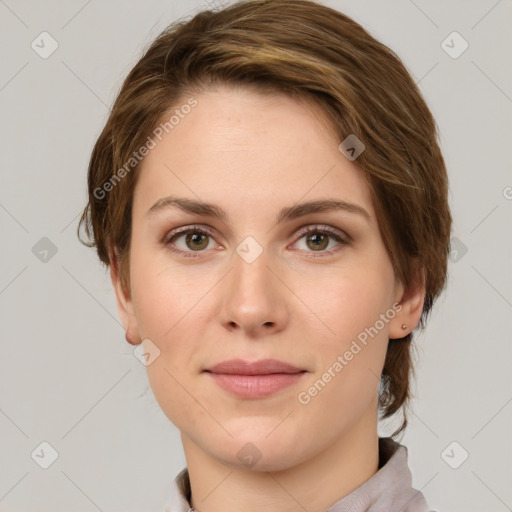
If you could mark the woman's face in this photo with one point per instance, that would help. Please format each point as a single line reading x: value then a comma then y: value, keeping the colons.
x: 258, y: 285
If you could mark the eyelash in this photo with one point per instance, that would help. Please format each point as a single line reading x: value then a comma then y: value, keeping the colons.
x: 324, y: 230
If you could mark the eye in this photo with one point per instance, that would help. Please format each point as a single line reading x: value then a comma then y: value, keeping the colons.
x: 317, y: 239
x: 195, y: 239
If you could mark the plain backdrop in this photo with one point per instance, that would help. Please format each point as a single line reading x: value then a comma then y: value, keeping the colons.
x: 68, y: 377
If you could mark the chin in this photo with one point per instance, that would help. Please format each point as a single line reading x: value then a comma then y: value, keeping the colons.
x: 258, y: 452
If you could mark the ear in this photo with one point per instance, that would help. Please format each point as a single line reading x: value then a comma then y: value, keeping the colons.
x: 411, y: 300
x: 124, y: 304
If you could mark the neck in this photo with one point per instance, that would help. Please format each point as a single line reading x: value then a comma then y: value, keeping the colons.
x: 314, y: 485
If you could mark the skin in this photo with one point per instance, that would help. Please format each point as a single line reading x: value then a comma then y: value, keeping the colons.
x: 253, y: 154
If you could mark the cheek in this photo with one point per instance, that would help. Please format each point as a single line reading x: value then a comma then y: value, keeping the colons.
x: 165, y: 292
x: 352, y: 346
x: 169, y: 312
x: 344, y: 300
x: 348, y: 362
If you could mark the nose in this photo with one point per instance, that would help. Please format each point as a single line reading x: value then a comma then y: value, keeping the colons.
x: 254, y: 299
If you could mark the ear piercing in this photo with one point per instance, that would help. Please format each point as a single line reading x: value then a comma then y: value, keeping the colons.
x: 404, y: 327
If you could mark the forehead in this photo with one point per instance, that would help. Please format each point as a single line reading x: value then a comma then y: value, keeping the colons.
x: 245, y: 147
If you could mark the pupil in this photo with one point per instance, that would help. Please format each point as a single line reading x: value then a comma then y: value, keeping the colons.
x: 317, y: 240
x: 196, y: 239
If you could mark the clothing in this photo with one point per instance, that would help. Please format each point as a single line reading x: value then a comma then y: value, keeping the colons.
x: 388, y: 490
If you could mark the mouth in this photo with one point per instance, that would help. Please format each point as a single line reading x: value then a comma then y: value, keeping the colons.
x: 261, y: 367
x: 254, y: 380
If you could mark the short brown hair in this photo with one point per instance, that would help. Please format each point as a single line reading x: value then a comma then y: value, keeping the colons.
x: 309, y: 51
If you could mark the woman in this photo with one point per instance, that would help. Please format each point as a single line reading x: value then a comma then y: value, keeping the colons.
x: 271, y: 200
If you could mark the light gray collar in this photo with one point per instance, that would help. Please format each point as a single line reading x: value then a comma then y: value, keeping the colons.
x: 388, y: 490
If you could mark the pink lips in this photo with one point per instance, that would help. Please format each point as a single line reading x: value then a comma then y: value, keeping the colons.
x: 262, y: 367
x: 254, y: 380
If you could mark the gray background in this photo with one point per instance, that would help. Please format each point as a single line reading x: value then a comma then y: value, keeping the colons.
x: 67, y: 375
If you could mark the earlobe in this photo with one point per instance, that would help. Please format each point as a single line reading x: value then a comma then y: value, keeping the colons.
x: 124, y: 305
x: 411, y: 302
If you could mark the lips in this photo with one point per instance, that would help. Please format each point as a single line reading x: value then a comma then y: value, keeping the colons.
x: 254, y: 380
x: 262, y: 367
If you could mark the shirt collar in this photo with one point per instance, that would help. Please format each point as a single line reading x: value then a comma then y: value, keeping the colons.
x: 388, y: 490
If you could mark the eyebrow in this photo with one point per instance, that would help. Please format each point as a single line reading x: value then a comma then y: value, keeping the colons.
x: 286, y: 214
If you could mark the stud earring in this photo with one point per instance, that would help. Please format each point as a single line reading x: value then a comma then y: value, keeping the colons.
x: 404, y: 327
